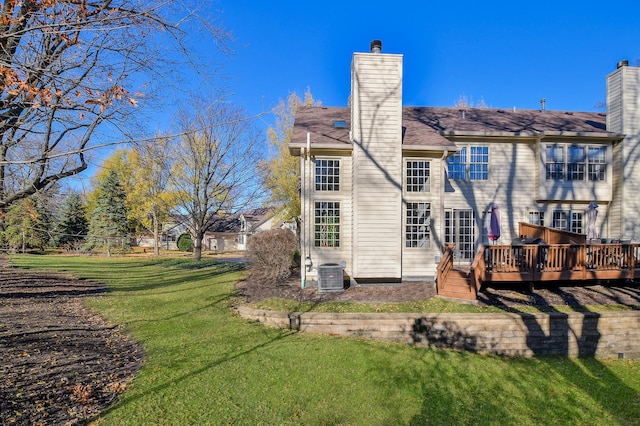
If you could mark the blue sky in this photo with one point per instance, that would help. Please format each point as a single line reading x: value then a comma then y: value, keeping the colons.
x: 505, y: 53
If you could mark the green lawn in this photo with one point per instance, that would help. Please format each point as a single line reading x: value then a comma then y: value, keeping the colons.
x: 206, y: 366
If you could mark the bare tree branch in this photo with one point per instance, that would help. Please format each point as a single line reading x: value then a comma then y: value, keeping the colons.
x: 69, y: 68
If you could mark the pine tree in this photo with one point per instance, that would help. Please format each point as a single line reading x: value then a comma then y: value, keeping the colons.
x: 108, y: 226
x: 71, y: 227
x: 27, y: 224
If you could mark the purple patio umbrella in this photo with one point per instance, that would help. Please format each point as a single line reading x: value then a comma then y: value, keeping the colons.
x: 494, y: 224
x: 591, y: 216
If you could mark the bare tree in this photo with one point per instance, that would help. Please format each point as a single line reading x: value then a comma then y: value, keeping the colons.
x: 149, y: 198
x: 67, y: 69
x: 214, y: 165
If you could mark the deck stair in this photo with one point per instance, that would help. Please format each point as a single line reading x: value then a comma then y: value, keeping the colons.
x: 458, y: 285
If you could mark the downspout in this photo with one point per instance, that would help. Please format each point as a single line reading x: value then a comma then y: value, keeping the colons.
x: 303, y: 221
x: 445, y: 154
x: 305, y: 193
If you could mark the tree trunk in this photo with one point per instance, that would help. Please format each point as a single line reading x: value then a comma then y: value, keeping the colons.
x: 156, y: 234
x: 197, y: 246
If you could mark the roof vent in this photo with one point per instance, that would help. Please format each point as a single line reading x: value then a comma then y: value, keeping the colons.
x: 376, y: 46
x: 542, y: 102
x: 622, y: 63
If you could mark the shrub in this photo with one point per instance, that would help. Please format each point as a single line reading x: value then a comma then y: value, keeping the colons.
x: 185, y: 243
x: 272, y: 253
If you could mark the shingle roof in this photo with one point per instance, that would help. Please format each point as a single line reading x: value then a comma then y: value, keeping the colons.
x: 319, y: 122
x: 429, y: 127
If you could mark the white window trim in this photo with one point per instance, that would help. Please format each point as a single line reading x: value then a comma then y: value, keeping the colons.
x: 340, y: 179
x: 468, y: 163
x: 406, y: 177
x: 566, y: 160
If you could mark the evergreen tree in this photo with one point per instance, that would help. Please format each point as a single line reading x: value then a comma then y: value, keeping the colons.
x: 108, y: 227
x: 27, y: 224
x: 71, y: 227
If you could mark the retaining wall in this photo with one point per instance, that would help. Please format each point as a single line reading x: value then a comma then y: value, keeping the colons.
x: 603, y: 335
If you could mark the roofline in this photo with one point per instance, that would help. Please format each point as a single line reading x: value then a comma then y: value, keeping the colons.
x: 532, y: 134
x: 296, y: 147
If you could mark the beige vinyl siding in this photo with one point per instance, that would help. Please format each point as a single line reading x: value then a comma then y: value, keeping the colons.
x: 420, y: 263
x: 617, y: 194
x: 321, y: 255
x: 623, y: 116
x: 377, y: 173
x: 631, y: 128
x: 512, y: 166
x: 584, y: 190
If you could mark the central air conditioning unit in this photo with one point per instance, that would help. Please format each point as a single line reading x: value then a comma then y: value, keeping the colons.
x: 330, y: 278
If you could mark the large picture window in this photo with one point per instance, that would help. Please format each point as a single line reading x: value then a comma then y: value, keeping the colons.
x: 581, y: 162
x: 327, y: 224
x: 418, y: 176
x: 418, y: 221
x: 327, y: 175
x: 471, y: 164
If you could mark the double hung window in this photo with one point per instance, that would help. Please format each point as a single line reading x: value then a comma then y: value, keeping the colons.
x: 418, y: 177
x: 573, y: 162
x: 567, y: 220
x: 536, y: 218
x: 326, y: 224
x: 327, y: 175
x: 418, y: 221
x: 469, y: 163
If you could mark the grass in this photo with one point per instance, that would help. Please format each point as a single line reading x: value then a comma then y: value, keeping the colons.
x: 433, y: 305
x: 205, y: 365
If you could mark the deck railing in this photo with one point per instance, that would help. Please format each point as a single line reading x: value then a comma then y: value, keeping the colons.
x: 550, y: 235
x: 534, y: 262
x: 445, y: 266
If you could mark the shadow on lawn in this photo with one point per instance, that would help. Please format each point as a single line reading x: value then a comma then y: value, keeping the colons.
x: 545, y: 399
x: 128, y: 399
x: 158, y: 280
x: 548, y: 390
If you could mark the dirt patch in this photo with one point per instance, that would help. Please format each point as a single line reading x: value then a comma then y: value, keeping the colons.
x: 256, y: 288
x: 59, y: 363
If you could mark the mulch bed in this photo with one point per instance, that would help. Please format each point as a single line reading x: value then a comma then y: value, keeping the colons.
x: 59, y: 363
x: 257, y: 288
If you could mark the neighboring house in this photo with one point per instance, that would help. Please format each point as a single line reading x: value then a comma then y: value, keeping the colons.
x: 257, y: 220
x: 223, y: 233
x: 226, y: 232
x: 385, y: 187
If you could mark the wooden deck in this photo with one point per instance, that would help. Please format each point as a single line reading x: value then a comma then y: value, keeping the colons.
x: 530, y: 263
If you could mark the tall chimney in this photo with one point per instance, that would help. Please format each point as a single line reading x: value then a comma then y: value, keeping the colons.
x: 376, y: 46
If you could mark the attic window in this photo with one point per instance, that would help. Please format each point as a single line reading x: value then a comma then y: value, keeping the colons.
x: 340, y: 124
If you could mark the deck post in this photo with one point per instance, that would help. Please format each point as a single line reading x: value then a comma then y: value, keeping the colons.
x: 583, y: 260
x: 535, y: 268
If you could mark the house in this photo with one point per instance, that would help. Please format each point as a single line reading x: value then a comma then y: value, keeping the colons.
x: 256, y: 220
x: 385, y: 187
x: 225, y: 233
